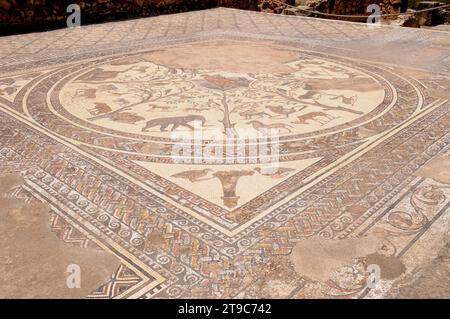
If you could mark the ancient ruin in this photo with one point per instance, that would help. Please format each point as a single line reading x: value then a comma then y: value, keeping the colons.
x: 141, y: 154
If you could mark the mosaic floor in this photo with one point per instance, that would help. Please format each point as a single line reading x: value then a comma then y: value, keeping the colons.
x: 89, y: 117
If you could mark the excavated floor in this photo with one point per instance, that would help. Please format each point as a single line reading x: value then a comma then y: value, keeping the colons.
x: 93, y: 120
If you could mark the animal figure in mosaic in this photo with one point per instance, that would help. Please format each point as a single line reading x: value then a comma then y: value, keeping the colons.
x: 310, y: 94
x: 176, y: 122
x: 249, y: 114
x: 346, y: 100
x: 193, y: 175
x: 261, y: 127
x: 86, y: 93
x: 279, y: 172
x: 280, y: 110
x: 319, y: 117
x: 100, y: 108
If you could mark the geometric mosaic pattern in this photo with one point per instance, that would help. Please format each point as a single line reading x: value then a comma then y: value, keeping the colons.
x: 120, y: 282
x: 88, y: 116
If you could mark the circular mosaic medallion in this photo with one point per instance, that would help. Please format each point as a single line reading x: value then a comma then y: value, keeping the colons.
x: 136, y: 101
x: 143, y: 98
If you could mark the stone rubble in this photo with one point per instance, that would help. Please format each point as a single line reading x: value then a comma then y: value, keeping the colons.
x: 388, y: 7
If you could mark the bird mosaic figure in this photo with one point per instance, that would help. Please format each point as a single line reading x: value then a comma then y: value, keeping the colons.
x: 193, y: 175
x: 279, y: 172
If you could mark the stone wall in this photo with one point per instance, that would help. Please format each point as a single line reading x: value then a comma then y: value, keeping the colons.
x: 360, y: 6
x: 31, y: 15
x: 350, y: 8
x: 347, y: 7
